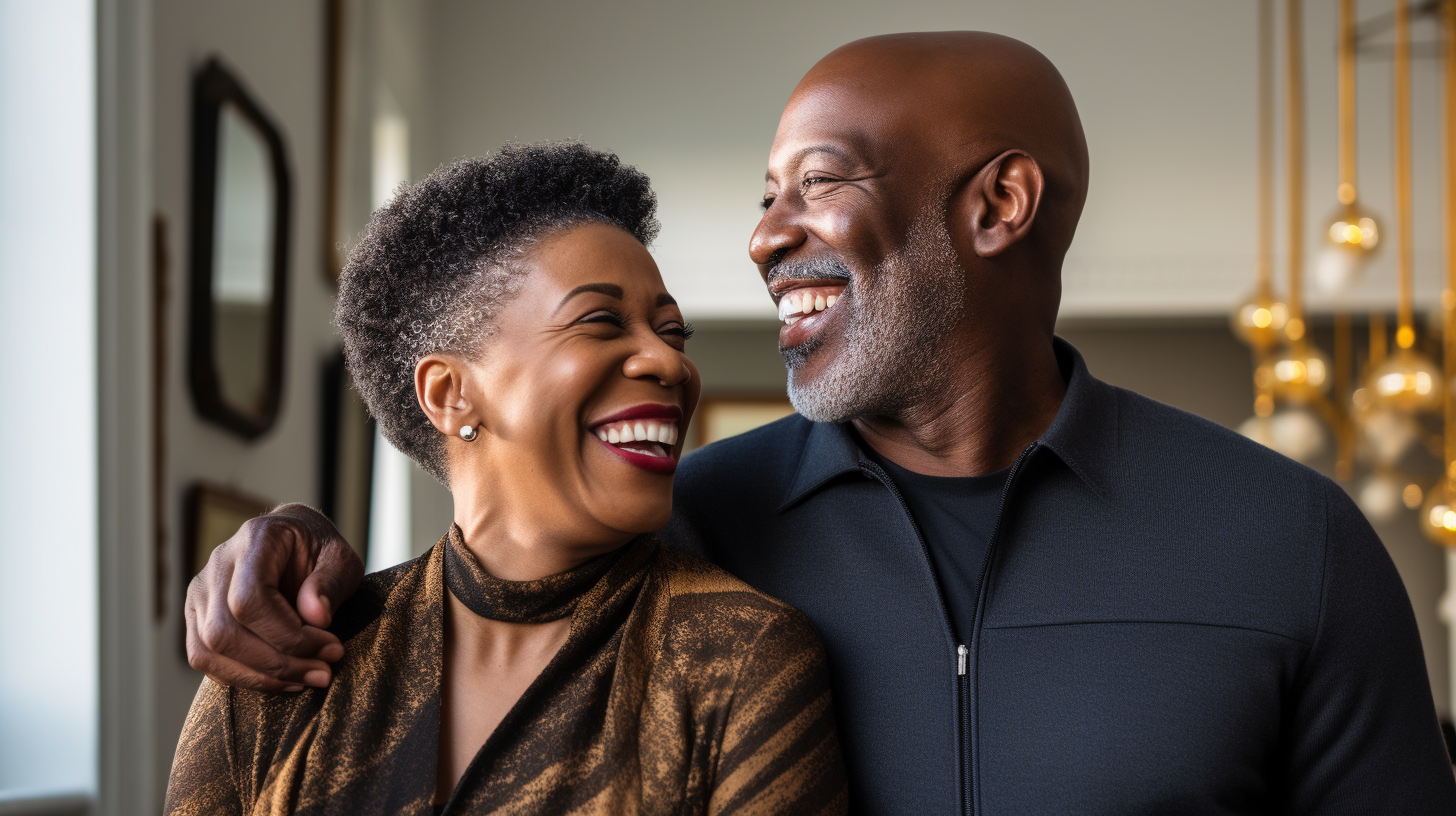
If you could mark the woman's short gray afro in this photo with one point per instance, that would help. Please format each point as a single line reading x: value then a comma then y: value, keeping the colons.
x: 437, y: 263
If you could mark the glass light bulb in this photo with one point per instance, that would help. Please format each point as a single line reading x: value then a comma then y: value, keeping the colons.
x: 1438, y: 516
x: 1351, y: 236
x: 1386, y: 433
x: 1258, y: 321
x: 1379, y: 497
x: 1408, y: 382
x: 1294, y: 432
x: 1295, y: 377
x: 1354, y: 229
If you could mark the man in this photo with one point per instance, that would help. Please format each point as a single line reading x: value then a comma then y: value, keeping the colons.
x: 1039, y: 593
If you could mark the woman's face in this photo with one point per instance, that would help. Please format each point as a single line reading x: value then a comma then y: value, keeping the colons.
x: 584, y: 393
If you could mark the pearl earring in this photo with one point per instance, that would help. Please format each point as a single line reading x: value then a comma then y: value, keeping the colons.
x: 467, y: 432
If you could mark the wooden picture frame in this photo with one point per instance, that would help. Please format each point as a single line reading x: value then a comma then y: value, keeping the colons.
x: 214, y: 513
x: 720, y: 417
x: 346, y: 458
x: 216, y: 93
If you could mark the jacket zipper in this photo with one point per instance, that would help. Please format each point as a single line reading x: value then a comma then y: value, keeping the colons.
x: 961, y: 651
x: 968, y: 655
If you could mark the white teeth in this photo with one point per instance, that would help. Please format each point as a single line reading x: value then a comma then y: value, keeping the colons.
x: 795, y: 305
x: 618, y: 433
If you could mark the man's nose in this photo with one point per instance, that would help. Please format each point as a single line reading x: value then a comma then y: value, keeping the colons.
x: 777, y: 234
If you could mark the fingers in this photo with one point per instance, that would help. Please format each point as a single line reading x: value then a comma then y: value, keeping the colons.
x: 255, y: 603
x: 334, y: 578
x: 230, y: 654
x: 242, y: 627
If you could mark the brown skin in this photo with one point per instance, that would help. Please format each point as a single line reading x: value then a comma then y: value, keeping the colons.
x: 876, y: 132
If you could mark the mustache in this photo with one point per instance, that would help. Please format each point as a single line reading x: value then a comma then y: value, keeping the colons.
x: 806, y: 269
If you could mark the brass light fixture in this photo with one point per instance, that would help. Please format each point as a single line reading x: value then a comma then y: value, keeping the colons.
x: 1438, y: 514
x: 1260, y: 320
x: 1409, y: 381
x: 1352, y: 233
x: 1381, y: 409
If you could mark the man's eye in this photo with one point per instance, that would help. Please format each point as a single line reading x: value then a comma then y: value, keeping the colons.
x: 766, y: 202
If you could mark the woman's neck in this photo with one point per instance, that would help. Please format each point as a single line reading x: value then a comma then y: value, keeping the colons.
x: 516, y: 543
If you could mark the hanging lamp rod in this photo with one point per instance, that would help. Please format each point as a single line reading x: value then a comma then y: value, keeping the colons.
x: 1372, y: 28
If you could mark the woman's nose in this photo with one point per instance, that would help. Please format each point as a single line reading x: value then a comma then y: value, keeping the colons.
x: 660, y: 361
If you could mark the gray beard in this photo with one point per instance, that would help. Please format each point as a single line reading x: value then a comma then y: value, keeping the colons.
x: 893, y: 330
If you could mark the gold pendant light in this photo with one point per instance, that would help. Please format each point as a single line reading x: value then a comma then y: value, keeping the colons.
x: 1260, y: 320
x: 1352, y: 233
x: 1438, y: 516
x: 1408, y: 381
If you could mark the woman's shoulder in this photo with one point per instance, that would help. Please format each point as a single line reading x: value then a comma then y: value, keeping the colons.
x: 707, y: 604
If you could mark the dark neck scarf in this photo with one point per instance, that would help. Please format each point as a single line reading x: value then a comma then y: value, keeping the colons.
x: 541, y: 601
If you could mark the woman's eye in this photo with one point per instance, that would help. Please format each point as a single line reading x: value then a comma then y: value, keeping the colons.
x: 683, y: 330
x: 609, y: 318
x: 766, y: 202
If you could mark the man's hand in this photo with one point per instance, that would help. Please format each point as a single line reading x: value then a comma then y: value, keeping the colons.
x: 242, y: 625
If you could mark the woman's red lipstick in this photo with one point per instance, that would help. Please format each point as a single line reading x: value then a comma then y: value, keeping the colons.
x: 650, y: 426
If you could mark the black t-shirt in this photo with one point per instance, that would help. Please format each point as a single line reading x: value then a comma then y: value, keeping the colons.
x: 956, y: 516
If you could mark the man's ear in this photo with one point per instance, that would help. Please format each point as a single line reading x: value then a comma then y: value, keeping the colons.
x: 997, y: 206
x: 440, y: 388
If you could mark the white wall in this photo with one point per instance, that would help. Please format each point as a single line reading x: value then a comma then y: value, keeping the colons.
x: 691, y: 93
x: 48, y: 459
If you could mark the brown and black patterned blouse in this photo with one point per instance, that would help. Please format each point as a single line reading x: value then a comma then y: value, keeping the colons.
x: 679, y: 690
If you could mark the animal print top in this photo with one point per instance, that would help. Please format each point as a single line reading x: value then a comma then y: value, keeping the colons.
x: 679, y: 690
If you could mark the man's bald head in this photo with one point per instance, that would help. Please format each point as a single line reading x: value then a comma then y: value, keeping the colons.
x: 921, y: 193
x: 970, y: 96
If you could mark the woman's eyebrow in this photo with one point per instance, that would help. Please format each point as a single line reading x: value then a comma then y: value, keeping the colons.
x: 665, y: 299
x: 611, y: 290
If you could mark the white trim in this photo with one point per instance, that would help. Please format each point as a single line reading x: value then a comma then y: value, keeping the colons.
x: 128, y: 632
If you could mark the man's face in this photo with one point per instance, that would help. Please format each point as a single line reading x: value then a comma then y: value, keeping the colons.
x: 854, y: 249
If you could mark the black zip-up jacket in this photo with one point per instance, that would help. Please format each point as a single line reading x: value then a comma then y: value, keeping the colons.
x: 1170, y: 619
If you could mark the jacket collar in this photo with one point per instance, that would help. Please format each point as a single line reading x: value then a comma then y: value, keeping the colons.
x: 1084, y: 435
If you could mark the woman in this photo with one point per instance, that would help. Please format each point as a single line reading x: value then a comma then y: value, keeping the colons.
x: 509, y: 331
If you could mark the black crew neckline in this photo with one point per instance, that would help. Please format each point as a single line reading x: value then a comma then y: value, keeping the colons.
x: 540, y: 601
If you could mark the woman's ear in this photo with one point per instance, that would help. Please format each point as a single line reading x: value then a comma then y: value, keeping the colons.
x: 440, y: 388
x: 997, y: 206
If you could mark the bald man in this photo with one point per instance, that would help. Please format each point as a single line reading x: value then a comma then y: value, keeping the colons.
x: 1040, y: 593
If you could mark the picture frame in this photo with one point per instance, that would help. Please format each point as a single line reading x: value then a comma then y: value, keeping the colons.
x: 241, y: 199
x: 719, y: 417
x: 346, y: 458
x: 214, y: 513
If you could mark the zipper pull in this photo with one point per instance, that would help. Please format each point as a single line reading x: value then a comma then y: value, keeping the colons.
x: 961, y: 652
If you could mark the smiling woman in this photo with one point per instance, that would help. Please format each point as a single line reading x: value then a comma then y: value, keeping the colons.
x: 509, y: 331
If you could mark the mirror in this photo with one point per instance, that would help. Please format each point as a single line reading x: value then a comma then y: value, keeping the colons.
x: 239, y: 256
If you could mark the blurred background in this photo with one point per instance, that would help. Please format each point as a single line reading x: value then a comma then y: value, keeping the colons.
x: 1265, y: 244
